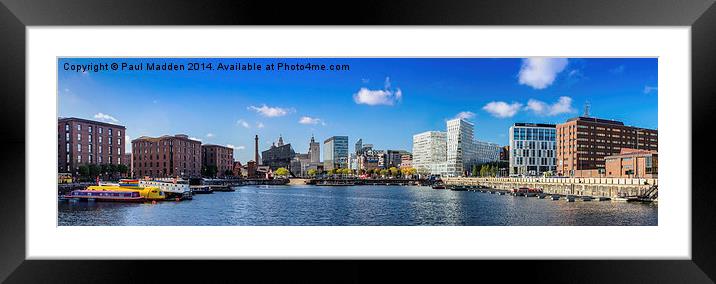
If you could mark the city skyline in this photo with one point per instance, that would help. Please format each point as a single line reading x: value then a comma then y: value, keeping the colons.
x: 384, y: 101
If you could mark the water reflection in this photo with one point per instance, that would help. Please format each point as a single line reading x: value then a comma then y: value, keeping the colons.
x: 359, y: 205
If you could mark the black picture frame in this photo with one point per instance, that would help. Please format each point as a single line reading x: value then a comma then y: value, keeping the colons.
x: 16, y: 15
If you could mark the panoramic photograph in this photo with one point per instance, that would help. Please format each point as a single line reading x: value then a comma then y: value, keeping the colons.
x: 541, y: 141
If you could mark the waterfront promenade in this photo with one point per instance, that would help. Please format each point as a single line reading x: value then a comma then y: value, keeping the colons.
x: 597, y: 187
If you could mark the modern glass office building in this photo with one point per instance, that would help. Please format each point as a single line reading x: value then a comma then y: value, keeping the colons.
x: 533, y: 148
x: 335, y: 153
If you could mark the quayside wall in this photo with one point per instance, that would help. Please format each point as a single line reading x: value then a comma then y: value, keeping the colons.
x: 607, y: 187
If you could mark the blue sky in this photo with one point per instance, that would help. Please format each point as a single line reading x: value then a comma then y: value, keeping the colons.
x: 382, y: 100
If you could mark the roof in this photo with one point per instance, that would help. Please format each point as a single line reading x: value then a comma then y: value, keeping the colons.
x: 535, y: 124
x: 65, y: 119
x: 597, y: 120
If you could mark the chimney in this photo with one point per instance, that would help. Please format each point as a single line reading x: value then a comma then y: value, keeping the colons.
x: 256, y: 150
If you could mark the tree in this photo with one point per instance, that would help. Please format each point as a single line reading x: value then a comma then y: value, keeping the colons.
x: 122, y: 169
x: 383, y: 172
x: 209, y: 171
x: 84, y: 171
x: 228, y: 173
x: 474, y: 170
x: 94, y: 170
x: 281, y: 172
x: 393, y: 171
x: 346, y: 171
x: 312, y: 172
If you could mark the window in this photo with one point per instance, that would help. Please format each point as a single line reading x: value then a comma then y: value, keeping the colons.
x: 119, y: 141
x: 67, y: 136
x: 100, y: 130
x: 79, y: 137
x: 79, y: 159
x: 109, y: 131
x: 100, y: 158
x: 100, y: 140
x: 79, y: 147
x: 89, y: 139
x: 67, y: 127
x: 119, y: 132
x: 79, y: 127
x: 89, y: 128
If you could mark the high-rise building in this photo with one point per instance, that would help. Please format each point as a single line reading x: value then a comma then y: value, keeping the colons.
x: 532, y: 148
x: 430, y: 152
x: 359, y: 146
x: 220, y: 157
x: 335, y: 153
x: 82, y: 141
x: 460, y: 148
x: 584, y: 142
x: 314, y: 151
x: 166, y: 156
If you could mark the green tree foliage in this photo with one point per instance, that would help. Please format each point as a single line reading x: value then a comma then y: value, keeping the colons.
x: 281, y: 172
x: 312, y: 172
x: 209, y: 171
x: 394, y: 171
x: 84, y: 171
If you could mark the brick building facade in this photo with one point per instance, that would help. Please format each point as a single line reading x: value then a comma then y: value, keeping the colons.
x: 220, y: 157
x: 166, y: 156
x: 632, y: 163
x: 584, y: 142
x: 82, y: 141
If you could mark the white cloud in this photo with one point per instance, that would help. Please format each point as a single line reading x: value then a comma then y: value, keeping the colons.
x: 196, y: 139
x: 502, y: 109
x: 240, y: 148
x: 259, y: 125
x: 310, y: 120
x: 105, y: 117
x: 617, y: 70
x: 386, y: 96
x: 540, y: 72
x: 243, y: 123
x: 465, y: 115
x: 209, y: 135
x: 649, y: 89
x: 268, y: 111
x: 365, y: 81
x: 563, y: 105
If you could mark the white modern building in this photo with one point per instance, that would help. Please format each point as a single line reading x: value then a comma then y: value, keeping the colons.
x: 533, y: 148
x: 430, y: 152
x: 460, y: 146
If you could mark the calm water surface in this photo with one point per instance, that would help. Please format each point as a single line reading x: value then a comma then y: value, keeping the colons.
x: 357, y: 205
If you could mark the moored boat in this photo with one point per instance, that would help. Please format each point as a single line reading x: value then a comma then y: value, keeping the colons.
x: 108, y: 195
x: 148, y: 193
x: 174, y: 189
x: 201, y: 189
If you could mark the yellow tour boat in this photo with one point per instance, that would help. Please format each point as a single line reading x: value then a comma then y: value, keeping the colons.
x: 149, y: 192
